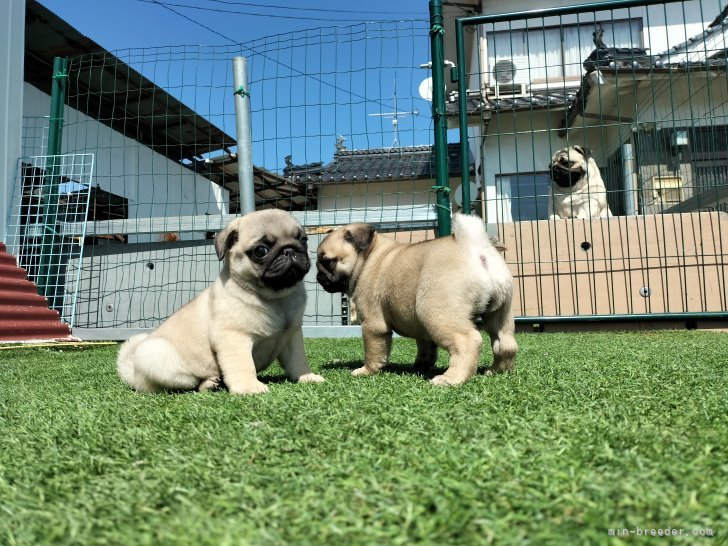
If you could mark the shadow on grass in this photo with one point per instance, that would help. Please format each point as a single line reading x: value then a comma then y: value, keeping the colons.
x: 399, y: 368
x: 396, y: 368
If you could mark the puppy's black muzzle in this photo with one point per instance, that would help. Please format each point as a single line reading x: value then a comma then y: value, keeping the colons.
x: 287, y: 268
x: 563, y: 176
x: 329, y: 282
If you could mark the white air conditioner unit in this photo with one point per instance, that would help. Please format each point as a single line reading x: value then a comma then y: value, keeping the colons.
x: 509, y: 79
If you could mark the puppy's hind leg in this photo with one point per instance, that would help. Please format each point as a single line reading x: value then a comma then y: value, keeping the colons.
x: 463, y: 342
x: 501, y: 327
x: 125, y: 358
x: 158, y: 366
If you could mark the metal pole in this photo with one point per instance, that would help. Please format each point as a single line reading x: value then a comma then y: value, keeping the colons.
x: 628, y: 180
x: 442, y: 184
x: 463, y: 116
x: 50, y: 241
x: 244, y: 135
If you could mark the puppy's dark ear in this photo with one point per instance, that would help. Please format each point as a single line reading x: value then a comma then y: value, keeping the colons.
x: 586, y: 152
x: 359, y: 235
x: 224, y: 241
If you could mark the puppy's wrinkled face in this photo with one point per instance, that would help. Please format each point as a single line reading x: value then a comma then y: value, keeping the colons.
x: 340, y: 254
x: 267, y: 248
x: 568, y: 166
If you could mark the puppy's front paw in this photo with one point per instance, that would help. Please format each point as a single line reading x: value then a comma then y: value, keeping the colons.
x: 210, y: 384
x: 442, y: 381
x: 311, y: 378
x: 362, y: 371
x: 496, y: 371
x: 250, y: 388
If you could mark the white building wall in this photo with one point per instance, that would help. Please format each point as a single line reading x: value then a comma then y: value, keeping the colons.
x: 154, y: 184
x: 669, y: 24
x: 12, y: 42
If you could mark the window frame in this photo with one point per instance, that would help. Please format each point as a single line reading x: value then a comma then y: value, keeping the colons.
x: 490, y: 37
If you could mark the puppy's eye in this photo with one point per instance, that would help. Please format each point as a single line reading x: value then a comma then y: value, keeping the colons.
x: 261, y: 251
x: 327, y: 262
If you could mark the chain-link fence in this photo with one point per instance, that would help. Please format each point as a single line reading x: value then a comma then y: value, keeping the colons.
x: 624, y: 224
x: 601, y: 137
x: 341, y: 132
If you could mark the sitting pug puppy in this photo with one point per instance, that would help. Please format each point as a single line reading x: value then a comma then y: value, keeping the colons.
x: 250, y: 316
x: 430, y: 291
x: 577, y: 189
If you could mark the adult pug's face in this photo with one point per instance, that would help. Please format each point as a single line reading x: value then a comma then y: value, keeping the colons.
x: 568, y: 166
x: 338, y: 255
x: 268, y: 246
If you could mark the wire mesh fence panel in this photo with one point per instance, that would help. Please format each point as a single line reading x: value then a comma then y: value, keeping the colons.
x: 35, y: 135
x: 46, y: 224
x: 341, y: 133
x: 601, y: 138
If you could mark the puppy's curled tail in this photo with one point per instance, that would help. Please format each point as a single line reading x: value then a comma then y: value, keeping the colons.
x: 469, y: 232
x: 125, y: 359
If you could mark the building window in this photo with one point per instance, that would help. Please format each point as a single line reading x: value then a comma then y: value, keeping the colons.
x: 555, y: 54
x: 523, y: 196
x: 662, y: 193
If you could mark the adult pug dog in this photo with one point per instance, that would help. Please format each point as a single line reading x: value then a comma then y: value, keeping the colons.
x: 249, y: 317
x: 577, y: 189
x: 430, y: 291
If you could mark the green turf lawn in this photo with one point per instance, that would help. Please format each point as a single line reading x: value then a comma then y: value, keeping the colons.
x: 593, y: 431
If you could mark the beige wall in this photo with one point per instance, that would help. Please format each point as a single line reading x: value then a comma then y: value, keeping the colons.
x: 578, y: 267
x: 375, y: 195
x: 372, y: 195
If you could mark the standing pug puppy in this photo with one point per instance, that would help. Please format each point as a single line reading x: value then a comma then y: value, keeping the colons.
x: 577, y: 189
x: 429, y: 291
x: 250, y: 316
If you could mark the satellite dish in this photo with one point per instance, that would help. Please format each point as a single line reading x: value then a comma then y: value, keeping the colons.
x: 425, y: 89
x: 504, y: 71
x: 458, y: 197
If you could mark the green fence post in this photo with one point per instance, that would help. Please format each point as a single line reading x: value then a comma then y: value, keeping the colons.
x: 50, y: 240
x: 442, y: 184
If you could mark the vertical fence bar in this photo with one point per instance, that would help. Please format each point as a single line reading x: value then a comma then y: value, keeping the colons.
x: 50, y: 240
x: 442, y: 184
x: 243, y: 135
x: 463, y: 116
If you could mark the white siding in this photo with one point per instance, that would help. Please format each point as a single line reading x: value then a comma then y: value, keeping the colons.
x: 154, y: 185
x: 12, y: 42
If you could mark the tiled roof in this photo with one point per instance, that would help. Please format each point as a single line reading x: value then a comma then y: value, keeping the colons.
x: 407, y: 162
x: 704, y: 51
x: 535, y: 100
x: 706, y: 48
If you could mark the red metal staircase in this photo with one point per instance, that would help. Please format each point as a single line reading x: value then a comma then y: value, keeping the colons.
x: 24, y: 315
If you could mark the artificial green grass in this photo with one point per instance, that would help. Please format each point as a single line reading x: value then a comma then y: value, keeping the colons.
x: 593, y: 432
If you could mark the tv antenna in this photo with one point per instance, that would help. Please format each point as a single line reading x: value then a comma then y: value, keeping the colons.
x: 395, y: 117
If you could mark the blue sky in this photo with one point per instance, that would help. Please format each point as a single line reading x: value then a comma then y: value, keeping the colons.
x: 317, y: 69
x: 119, y: 24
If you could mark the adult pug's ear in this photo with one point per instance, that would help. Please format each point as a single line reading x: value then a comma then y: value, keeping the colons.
x: 586, y: 152
x: 225, y: 240
x: 359, y: 235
